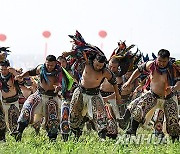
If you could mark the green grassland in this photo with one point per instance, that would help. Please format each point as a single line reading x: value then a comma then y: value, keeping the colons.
x: 89, y: 143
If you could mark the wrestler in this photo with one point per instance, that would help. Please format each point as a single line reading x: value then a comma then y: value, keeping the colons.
x: 163, y: 86
x: 66, y: 98
x: 87, y: 100
x: 10, y: 95
x: 45, y: 101
x: 106, y: 90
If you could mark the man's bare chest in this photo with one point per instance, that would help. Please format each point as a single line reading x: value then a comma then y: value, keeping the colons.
x: 10, y: 83
x: 50, y: 82
x: 160, y: 78
x: 90, y: 74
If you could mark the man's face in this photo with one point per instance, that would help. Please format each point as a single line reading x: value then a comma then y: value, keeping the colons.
x: 162, y: 62
x: 50, y: 65
x: 97, y: 65
x: 3, y: 70
x: 63, y: 63
x: 113, y: 66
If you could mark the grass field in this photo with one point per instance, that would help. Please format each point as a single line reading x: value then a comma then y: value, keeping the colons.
x: 88, y: 143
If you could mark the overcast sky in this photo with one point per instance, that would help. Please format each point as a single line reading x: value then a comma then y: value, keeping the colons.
x: 149, y: 24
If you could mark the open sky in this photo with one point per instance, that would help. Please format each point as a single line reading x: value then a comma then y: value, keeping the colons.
x: 149, y: 24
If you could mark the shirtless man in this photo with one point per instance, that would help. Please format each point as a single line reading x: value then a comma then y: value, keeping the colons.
x: 126, y: 96
x: 66, y: 98
x: 106, y: 89
x: 10, y: 94
x: 44, y: 102
x: 163, y: 86
x: 87, y: 100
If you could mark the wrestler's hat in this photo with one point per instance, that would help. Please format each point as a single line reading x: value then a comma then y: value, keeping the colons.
x: 5, y: 49
x: 77, y: 37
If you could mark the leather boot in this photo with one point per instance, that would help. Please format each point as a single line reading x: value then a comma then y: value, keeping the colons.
x: 77, y: 132
x: 2, y: 135
x: 102, y: 134
x: 175, y: 138
x: 18, y: 133
x: 124, y: 121
x: 133, y: 127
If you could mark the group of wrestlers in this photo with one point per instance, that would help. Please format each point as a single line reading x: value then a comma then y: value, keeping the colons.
x: 82, y: 89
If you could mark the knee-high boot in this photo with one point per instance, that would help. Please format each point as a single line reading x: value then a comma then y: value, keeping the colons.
x: 175, y: 138
x: 20, y: 128
x: 133, y: 127
x: 123, y: 122
x: 2, y: 135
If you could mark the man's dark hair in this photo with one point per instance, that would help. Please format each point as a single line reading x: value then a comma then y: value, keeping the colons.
x: 51, y: 58
x: 61, y: 57
x: 163, y: 53
x: 114, y: 60
x: 101, y: 58
x: 5, y: 63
